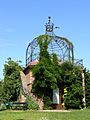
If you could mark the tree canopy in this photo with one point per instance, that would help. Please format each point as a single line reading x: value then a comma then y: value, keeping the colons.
x: 87, y: 84
x: 11, y: 84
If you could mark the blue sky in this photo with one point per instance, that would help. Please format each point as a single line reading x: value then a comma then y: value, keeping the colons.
x: 23, y: 20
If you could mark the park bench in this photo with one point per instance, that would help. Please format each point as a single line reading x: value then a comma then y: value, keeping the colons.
x: 19, y: 106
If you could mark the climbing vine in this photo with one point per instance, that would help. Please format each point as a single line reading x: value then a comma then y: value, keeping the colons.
x: 50, y: 74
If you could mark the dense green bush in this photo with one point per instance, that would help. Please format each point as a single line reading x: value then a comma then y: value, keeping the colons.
x: 47, y: 103
x: 87, y: 83
x: 31, y: 105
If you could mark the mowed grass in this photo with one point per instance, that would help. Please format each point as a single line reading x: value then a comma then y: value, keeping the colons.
x: 37, y: 115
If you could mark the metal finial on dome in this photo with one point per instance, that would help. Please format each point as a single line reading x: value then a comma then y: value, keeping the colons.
x: 49, y: 20
x: 49, y: 26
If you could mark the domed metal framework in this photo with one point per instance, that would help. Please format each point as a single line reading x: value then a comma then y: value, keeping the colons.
x: 58, y: 45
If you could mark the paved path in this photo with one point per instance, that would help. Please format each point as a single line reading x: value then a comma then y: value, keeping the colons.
x: 54, y: 110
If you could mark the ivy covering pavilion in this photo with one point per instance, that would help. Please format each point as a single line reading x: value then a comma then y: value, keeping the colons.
x: 61, y: 47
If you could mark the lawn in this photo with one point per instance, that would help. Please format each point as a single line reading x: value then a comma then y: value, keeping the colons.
x: 37, y: 115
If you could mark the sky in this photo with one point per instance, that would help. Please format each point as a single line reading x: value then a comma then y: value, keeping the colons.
x: 23, y: 20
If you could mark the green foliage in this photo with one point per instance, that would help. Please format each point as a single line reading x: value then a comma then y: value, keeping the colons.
x: 72, y: 80
x: 43, y: 42
x: 31, y: 105
x: 87, y: 82
x: 11, y: 85
x: 49, y: 74
x: 47, y: 103
x: 44, y: 73
x: 73, y: 99
x: 1, y: 90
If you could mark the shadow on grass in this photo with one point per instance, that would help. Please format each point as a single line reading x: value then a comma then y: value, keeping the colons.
x: 19, y: 119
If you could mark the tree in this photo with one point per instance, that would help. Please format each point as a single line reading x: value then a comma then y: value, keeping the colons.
x: 12, y: 84
x: 87, y: 84
x: 1, y: 90
x: 72, y: 81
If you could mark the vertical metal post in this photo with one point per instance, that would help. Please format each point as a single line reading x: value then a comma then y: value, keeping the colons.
x: 83, y: 87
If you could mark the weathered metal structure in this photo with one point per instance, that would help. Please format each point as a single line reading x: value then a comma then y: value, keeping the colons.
x: 61, y: 46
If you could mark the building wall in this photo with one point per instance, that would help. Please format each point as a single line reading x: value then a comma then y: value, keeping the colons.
x: 29, y: 82
x: 29, y: 78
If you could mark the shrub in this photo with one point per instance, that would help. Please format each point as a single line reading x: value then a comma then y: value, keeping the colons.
x: 31, y: 105
x: 47, y: 103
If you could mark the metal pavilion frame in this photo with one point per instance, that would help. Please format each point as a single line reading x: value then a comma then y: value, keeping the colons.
x: 61, y: 46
